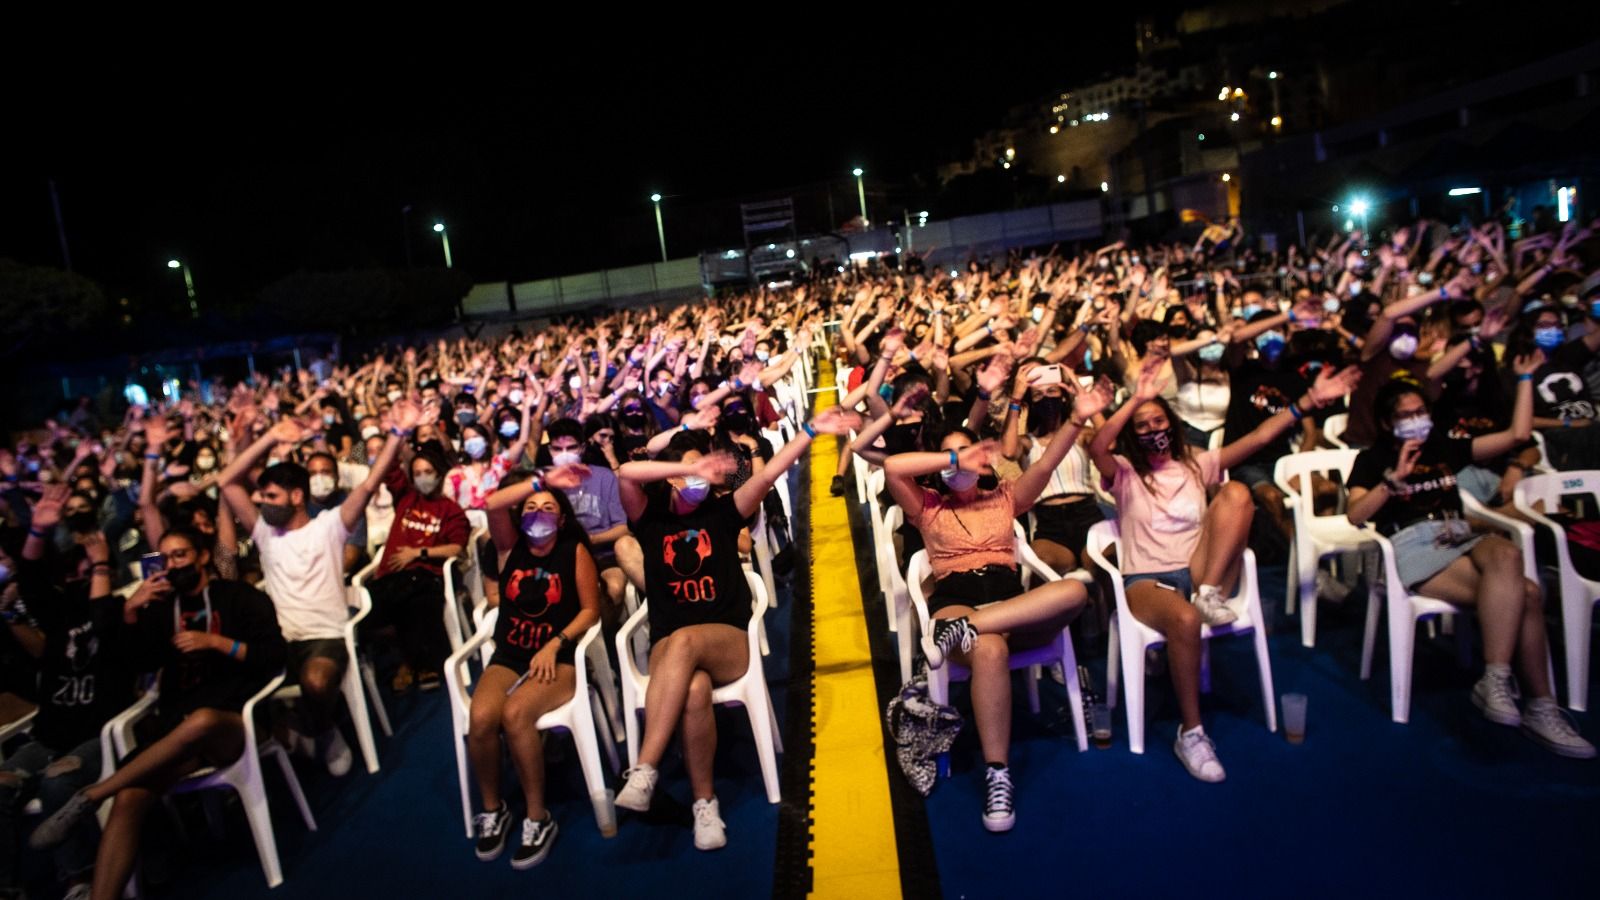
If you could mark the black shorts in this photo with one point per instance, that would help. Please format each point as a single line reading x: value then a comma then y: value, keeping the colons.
x: 298, y: 653
x: 974, y: 588
x: 1067, y: 524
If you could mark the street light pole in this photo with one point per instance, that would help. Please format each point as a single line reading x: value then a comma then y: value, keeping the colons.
x: 661, y: 232
x: 439, y: 227
x: 188, y: 284
x: 861, y: 194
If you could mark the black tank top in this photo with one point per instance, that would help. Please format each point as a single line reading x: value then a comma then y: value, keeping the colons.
x: 538, y: 599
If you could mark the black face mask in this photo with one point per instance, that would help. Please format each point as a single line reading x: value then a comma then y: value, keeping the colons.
x: 81, y: 522
x: 1044, y: 415
x: 633, y: 419
x: 740, y: 422
x: 1178, y: 330
x: 184, y: 579
x: 276, y: 514
x: 903, y: 438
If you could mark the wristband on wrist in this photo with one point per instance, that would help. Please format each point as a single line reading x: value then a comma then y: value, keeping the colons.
x: 810, y: 432
x: 1444, y: 292
x: 1291, y: 317
x: 1014, y: 406
x: 536, y: 483
x: 152, y: 456
x: 400, y: 433
x: 1526, y: 376
x: 1084, y: 328
x: 34, y: 532
x: 983, y: 395
x: 955, y: 461
x: 737, y: 384
x: 234, y: 650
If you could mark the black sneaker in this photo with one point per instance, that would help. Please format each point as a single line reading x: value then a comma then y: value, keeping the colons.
x: 492, y: 829
x: 536, y: 840
x: 999, y: 807
x: 837, y: 487
x: 946, y: 635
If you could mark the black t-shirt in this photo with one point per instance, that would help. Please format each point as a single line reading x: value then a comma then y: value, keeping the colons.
x: 1256, y: 394
x: 1430, y: 488
x: 538, y: 600
x: 691, y: 563
x: 206, y: 678
x: 1558, y: 387
x: 84, y: 676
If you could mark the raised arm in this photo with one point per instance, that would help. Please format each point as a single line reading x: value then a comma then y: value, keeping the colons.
x: 403, y: 419
x: 1148, y: 387
x: 833, y: 420
x: 286, y: 431
x: 633, y: 476
x: 1489, y: 446
x: 1328, y: 387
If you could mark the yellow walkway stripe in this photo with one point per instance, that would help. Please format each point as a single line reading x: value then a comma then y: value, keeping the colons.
x: 853, y: 851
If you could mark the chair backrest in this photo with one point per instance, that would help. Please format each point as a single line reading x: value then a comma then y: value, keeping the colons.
x: 1216, y: 443
x: 1333, y: 429
x: 1302, y: 466
x: 1548, y: 489
x: 1104, y: 536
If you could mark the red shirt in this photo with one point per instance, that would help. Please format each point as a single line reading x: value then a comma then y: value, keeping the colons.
x: 423, y: 521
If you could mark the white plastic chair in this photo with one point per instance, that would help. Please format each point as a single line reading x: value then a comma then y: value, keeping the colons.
x: 580, y: 719
x: 748, y: 690
x: 16, y: 726
x: 357, y: 675
x: 1578, y: 594
x: 1405, y: 611
x: 1315, y: 536
x: 1215, y: 443
x: 897, y: 597
x: 1058, y: 650
x: 1333, y: 431
x: 883, y: 542
x: 455, y: 621
x: 1130, y: 638
x: 243, y: 776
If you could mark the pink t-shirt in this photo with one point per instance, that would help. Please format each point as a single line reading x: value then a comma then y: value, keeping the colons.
x: 1160, y: 522
x: 961, y: 537
x: 470, y: 486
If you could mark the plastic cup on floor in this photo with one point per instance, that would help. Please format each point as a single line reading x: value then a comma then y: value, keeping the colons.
x: 1100, y: 725
x: 605, y: 812
x: 1294, y: 717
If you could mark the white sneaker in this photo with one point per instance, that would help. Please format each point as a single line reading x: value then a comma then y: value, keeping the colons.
x: 1213, y: 609
x: 1495, y: 696
x: 709, y: 831
x: 640, y: 787
x: 1544, y: 721
x: 1330, y: 588
x: 336, y: 754
x: 1199, y: 755
x: 78, y: 892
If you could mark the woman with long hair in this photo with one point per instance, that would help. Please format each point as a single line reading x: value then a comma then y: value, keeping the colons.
x: 1406, y: 484
x: 549, y: 596
x: 1177, y: 548
x: 699, y: 601
x: 979, y: 609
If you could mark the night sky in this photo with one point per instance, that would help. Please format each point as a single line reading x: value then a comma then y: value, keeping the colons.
x: 540, y: 164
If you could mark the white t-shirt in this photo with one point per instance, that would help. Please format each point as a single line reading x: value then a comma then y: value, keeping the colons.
x: 304, y: 576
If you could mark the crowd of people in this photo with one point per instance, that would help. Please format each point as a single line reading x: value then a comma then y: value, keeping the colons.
x: 212, y: 538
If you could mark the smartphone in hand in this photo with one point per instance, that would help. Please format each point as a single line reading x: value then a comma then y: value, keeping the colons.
x: 151, y: 563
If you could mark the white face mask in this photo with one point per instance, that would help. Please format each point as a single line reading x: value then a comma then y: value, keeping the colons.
x: 322, y: 485
x: 514, y: 398
x: 566, y: 458
x: 1415, y: 428
x: 370, y: 432
x: 1403, y: 346
x: 205, y: 463
x: 394, y: 396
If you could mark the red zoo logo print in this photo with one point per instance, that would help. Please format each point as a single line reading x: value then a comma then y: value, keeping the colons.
x: 686, y: 551
x: 532, y: 577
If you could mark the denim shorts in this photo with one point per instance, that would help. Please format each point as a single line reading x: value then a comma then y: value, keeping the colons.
x: 1180, y: 579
